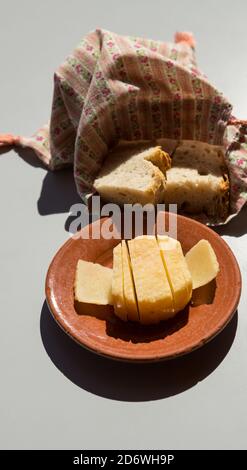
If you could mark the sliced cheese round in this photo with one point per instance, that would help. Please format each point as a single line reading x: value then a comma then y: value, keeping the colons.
x: 93, y: 283
x: 117, y: 284
x: 177, y: 271
x: 154, y: 295
x: 202, y: 263
x: 128, y: 286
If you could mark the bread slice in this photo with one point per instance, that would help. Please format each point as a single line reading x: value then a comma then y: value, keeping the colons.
x: 134, y: 172
x: 198, y: 180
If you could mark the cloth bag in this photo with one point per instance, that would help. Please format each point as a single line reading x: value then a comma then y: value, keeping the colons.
x: 114, y: 87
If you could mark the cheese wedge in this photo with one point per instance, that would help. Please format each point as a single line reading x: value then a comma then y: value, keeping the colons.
x: 117, y: 284
x: 93, y: 283
x: 202, y: 263
x: 128, y: 284
x: 154, y: 295
x: 177, y: 271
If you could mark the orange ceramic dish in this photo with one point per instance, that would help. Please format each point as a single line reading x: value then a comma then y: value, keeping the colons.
x: 99, y: 330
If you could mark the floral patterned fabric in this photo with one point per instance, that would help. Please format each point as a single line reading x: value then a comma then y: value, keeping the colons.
x: 114, y: 87
x: 235, y: 141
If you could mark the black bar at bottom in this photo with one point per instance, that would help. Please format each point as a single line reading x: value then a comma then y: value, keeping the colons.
x: 111, y: 458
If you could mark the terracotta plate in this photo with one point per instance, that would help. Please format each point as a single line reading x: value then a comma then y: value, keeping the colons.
x: 100, y: 331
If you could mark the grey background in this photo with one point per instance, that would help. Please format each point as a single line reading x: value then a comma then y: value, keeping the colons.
x: 53, y: 393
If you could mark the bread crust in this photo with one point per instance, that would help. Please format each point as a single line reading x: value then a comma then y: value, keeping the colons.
x: 202, y: 168
x: 195, y: 176
x: 134, y: 172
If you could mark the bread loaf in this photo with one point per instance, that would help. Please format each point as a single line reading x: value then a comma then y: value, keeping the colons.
x: 133, y: 173
x: 195, y: 177
x: 198, y: 180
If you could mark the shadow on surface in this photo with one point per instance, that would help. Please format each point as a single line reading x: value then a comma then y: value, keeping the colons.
x: 5, y: 149
x: 136, y: 333
x: 236, y: 227
x: 29, y: 156
x: 130, y: 381
x: 58, y: 192
x: 131, y: 331
x: 204, y: 294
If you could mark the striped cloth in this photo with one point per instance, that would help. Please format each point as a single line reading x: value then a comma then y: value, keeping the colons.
x: 114, y: 87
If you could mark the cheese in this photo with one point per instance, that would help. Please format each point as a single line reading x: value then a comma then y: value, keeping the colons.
x: 117, y: 284
x: 177, y: 271
x: 202, y: 263
x: 93, y: 283
x: 151, y: 279
x: 186, y: 271
x: 129, y: 289
x: 154, y: 296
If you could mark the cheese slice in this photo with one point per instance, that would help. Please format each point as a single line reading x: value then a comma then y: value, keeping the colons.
x: 177, y: 271
x: 128, y: 283
x: 186, y: 271
x: 202, y: 263
x: 154, y: 296
x: 93, y: 283
x: 117, y: 284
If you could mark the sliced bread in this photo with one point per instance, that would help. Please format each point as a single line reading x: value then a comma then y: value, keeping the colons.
x: 134, y: 172
x: 198, y: 180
